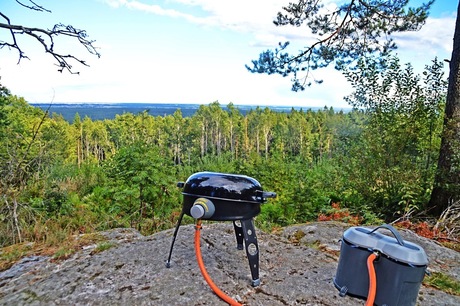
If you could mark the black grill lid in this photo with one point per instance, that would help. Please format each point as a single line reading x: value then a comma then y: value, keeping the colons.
x: 224, y: 186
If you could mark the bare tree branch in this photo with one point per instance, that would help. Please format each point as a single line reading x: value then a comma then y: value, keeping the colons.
x: 46, y: 37
x: 34, y: 6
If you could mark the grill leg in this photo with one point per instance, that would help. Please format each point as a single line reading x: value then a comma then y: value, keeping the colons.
x: 239, y: 234
x: 168, y: 262
x: 252, y: 249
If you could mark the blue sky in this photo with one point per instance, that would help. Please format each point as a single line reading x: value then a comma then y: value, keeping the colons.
x: 185, y: 51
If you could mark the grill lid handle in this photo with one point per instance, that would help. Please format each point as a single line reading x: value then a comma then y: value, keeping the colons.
x: 267, y: 194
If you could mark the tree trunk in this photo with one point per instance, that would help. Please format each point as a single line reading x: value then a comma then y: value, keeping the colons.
x: 203, y: 140
x: 266, y: 137
x: 447, y: 181
x: 257, y: 142
x: 232, y: 140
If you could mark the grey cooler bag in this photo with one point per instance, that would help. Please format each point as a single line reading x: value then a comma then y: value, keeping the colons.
x: 399, y: 266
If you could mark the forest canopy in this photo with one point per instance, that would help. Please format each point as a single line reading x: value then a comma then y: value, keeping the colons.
x: 372, y: 164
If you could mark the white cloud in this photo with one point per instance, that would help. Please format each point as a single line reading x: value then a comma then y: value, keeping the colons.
x: 255, y: 16
x: 437, y: 34
x: 199, y: 74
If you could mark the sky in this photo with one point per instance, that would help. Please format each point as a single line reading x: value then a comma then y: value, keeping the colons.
x: 185, y: 51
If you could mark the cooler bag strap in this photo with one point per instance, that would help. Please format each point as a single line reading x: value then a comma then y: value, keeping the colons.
x: 370, y: 264
x: 372, y: 279
x: 392, y: 230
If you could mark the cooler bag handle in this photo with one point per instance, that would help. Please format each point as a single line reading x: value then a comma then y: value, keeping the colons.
x: 392, y: 230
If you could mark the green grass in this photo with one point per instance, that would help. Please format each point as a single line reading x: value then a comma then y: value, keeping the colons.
x: 443, y: 282
x: 103, y: 246
x: 59, y: 249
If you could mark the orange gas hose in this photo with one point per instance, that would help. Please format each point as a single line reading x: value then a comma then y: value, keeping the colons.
x: 205, y: 274
x: 372, y: 280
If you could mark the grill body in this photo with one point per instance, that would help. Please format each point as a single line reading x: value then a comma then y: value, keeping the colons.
x: 226, y: 197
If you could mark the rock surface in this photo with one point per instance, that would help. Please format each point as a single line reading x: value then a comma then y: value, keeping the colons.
x: 296, y: 268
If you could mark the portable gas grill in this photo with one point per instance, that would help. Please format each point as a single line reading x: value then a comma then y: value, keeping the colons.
x: 226, y: 197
